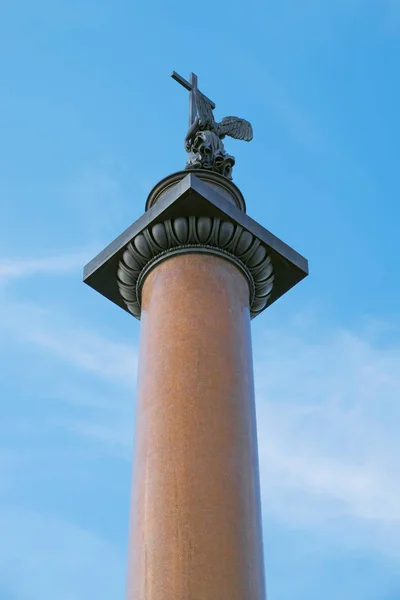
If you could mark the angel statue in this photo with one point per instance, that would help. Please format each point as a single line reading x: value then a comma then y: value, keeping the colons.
x: 203, y: 141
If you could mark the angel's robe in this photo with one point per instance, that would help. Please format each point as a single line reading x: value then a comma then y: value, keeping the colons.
x: 208, y: 142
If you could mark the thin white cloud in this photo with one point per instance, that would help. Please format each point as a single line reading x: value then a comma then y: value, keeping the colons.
x: 328, y: 414
x: 72, y: 342
x: 327, y: 404
x: 98, y: 202
x: 271, y: 93
x: 115, y: 434
x: 53, y: 265
x: 47, y: 557
x: 328, y: 419
x: 298, y: 123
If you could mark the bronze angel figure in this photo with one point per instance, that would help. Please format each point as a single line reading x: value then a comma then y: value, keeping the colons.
x: 203, y: 141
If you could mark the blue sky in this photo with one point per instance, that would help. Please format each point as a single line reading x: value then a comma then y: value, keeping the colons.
x: 90, y: 120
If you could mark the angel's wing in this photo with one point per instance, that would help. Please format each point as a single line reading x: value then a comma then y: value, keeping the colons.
x: 239, y: 129
x: 204, y: 109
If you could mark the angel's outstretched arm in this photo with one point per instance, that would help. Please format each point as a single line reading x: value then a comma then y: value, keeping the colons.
x: 193, y: 129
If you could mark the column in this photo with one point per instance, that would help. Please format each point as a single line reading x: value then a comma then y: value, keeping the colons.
x: 195, y: 514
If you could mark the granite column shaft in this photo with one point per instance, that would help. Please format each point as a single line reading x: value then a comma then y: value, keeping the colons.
x: 195, y: 510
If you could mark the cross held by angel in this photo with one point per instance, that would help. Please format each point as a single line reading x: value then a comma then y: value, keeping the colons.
x: 203, y: 141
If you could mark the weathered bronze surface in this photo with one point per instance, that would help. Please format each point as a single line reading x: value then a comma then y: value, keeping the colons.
x: 195, y: 514
x: 223, y: 186
x: 203, y: 140
x: 194, y: 199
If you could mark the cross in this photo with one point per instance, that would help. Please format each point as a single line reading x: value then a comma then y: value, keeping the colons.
x: 191, y: 85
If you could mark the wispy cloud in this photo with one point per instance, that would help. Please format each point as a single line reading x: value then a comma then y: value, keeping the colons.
x: 327, y: 413
x: 62, y: 358
x: 297, y: 122
x: 99, y: 202
x: 53, y: 265
x: 48, y: 557
x: 327, y: 404
x: 115, y: 434
x: 72, y: 342
x: 278, y: 98
x: 328, y: 416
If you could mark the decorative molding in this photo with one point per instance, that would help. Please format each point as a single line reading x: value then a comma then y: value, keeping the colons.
x: 226, y: 188
x: 195, y: 234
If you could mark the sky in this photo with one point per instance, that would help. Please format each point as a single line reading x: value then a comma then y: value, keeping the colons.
x: 90, y: 120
